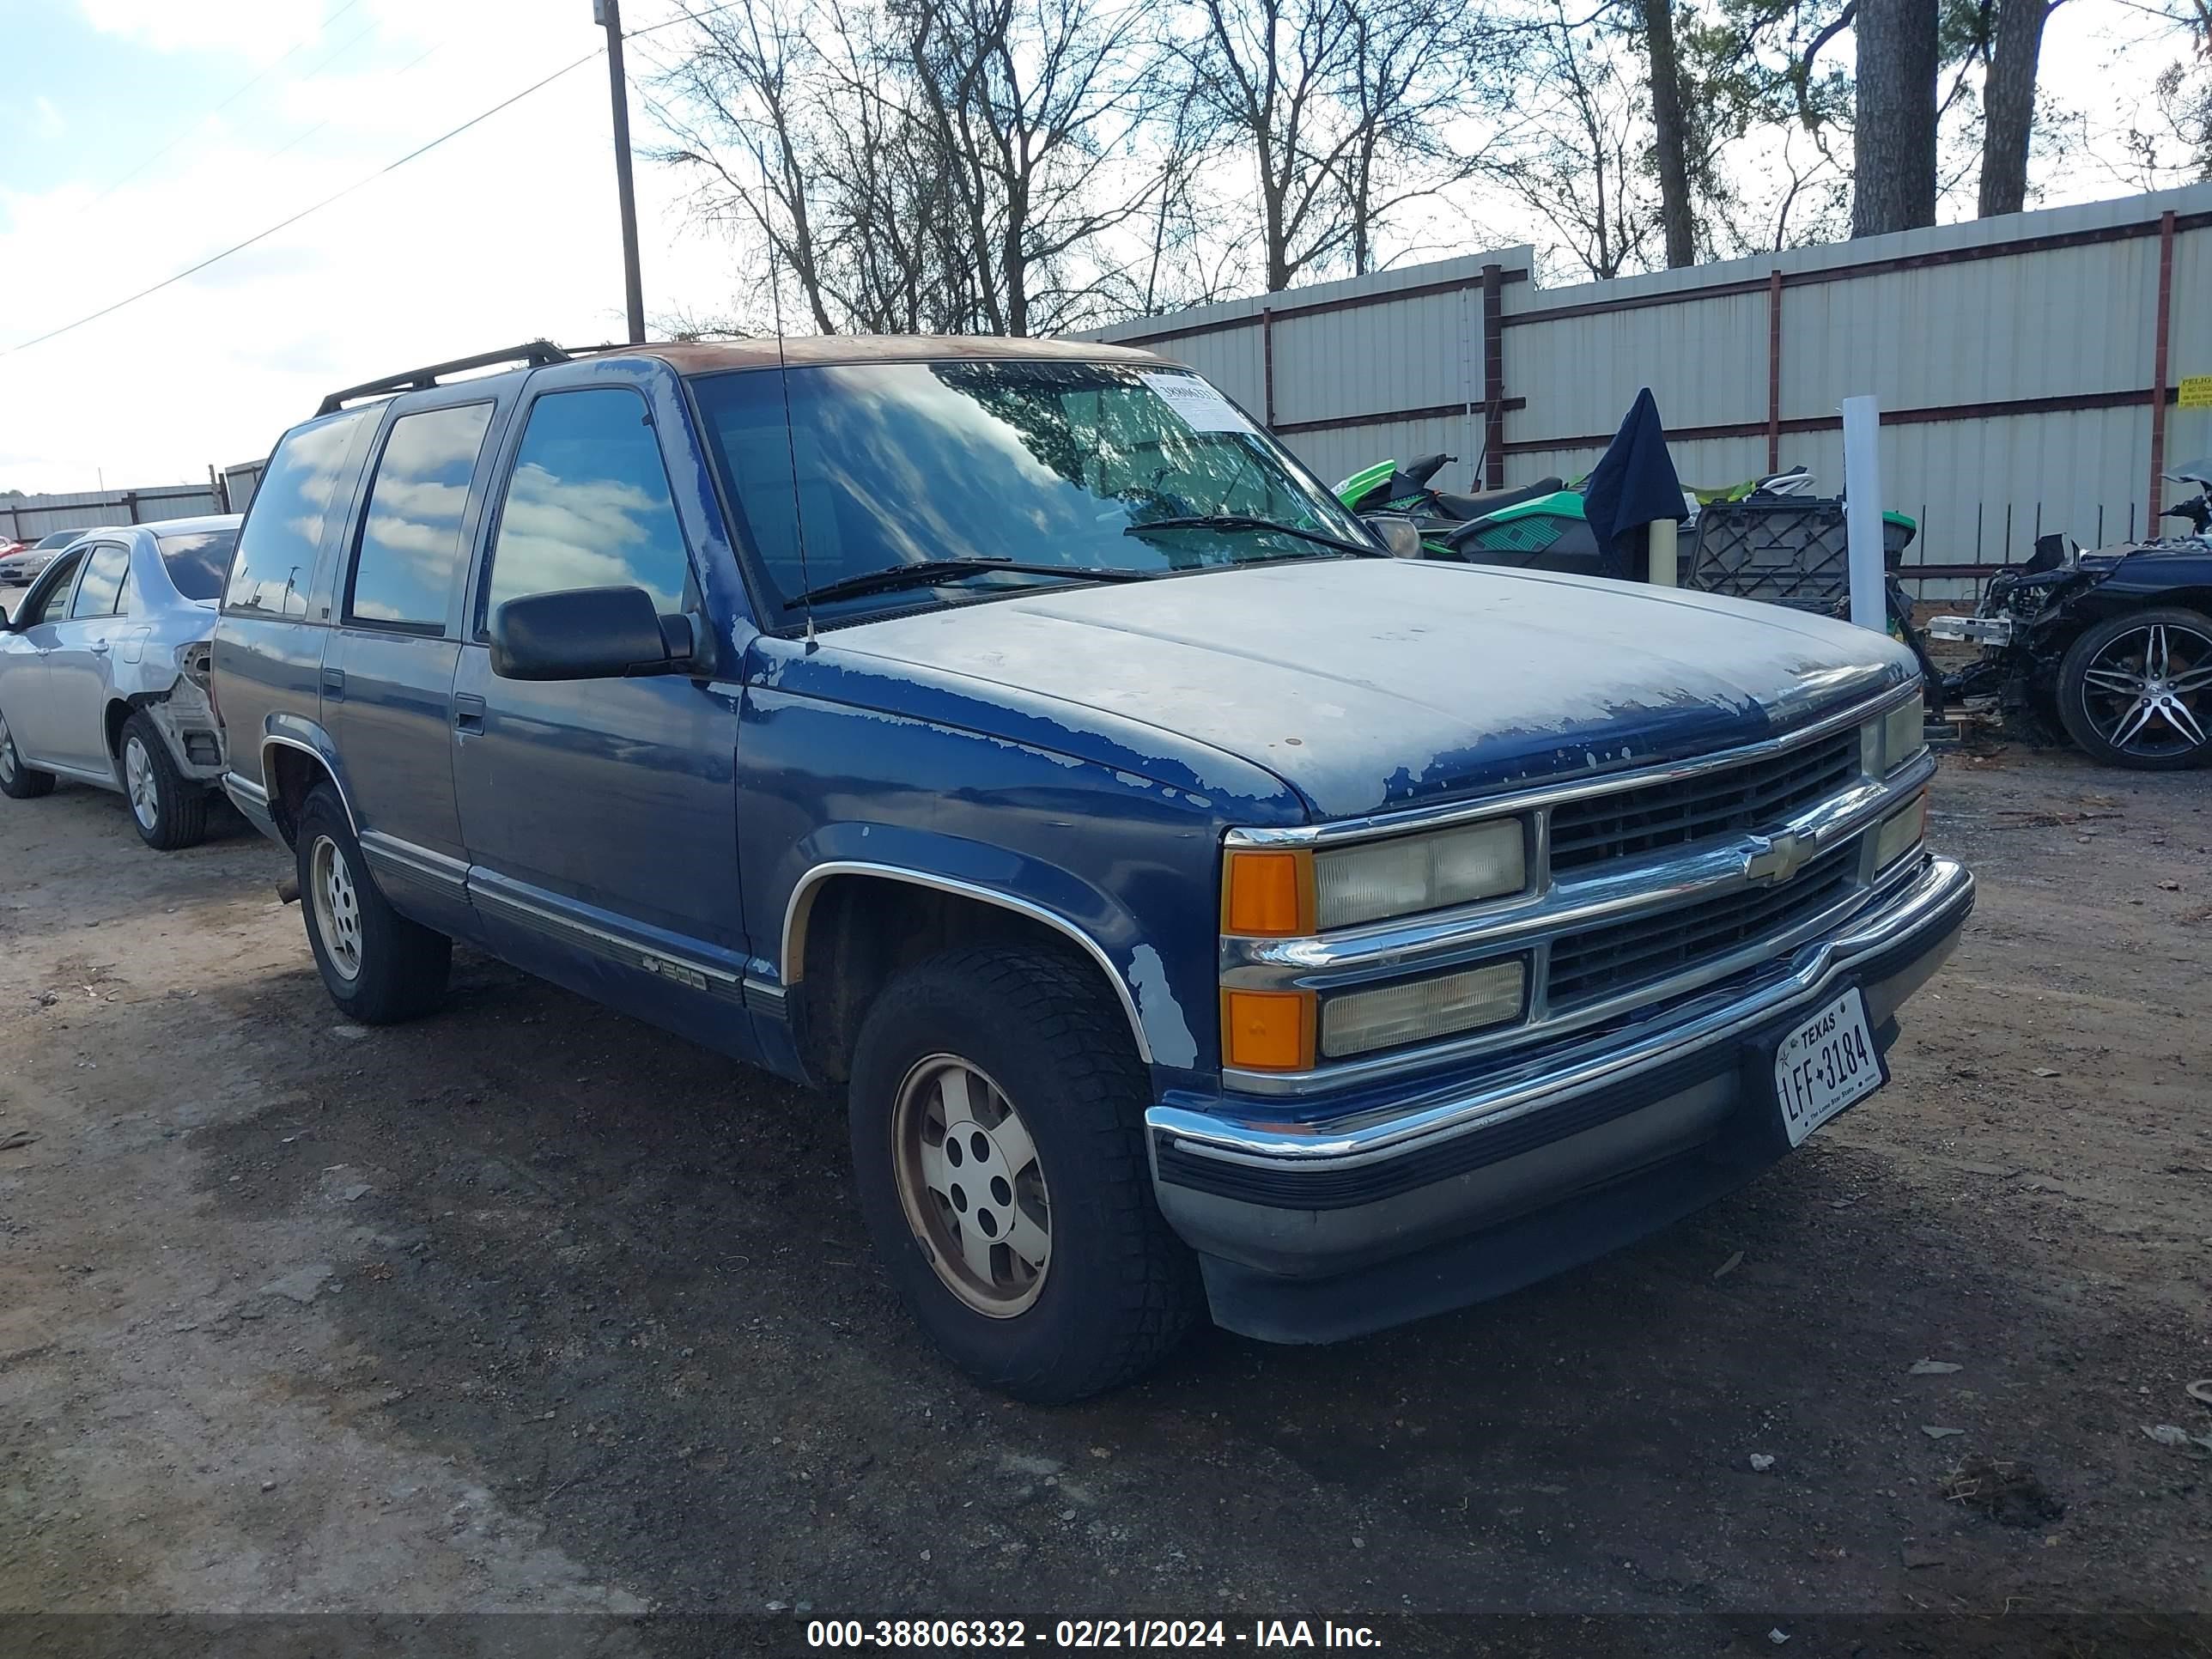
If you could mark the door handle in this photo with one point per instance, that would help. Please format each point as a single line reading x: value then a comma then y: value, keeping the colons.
x: 468, y: 712
x: 334, y: 682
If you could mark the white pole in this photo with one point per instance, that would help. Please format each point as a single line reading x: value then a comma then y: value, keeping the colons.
x: 1661, y: 555
x: 1862, y: 511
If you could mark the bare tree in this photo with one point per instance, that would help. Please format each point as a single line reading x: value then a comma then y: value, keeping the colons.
x: 1576, y: 159
x: 1893, y: 142
x: 1343, y: 109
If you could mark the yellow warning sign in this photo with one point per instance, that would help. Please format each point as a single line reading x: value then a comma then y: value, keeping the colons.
x: 2197, y: 392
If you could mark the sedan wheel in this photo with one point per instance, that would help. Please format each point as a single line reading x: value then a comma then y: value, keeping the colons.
x: 141, y: 784
x: 2136, y: 690
x: 17, y: 780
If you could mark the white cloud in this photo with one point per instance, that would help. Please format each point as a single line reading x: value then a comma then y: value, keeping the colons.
x: 257, y: 30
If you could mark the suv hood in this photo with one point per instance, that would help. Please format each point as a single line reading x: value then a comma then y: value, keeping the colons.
x: 1372, y: 684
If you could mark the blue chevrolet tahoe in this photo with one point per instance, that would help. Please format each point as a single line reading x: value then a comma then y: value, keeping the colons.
x: 1200, y: 910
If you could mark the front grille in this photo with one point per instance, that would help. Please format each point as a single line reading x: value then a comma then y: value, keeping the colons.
x: 1603, y: 961
x: 1756, y: 795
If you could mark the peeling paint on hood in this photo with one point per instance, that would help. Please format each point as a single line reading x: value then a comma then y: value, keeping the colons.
x: 1370, y: 684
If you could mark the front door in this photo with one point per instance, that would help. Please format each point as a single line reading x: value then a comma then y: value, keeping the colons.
x: 80, y: 668
x: 387, y: 670
x: 600, y: 815
x: 32, y: 721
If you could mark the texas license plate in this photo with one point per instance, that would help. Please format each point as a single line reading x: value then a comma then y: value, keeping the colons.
x: 1824, y: 1064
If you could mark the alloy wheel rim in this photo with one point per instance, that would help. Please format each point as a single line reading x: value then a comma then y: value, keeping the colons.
x: 337, y: 907
x: 972, y: 1185
x: 145, y: 790
x: 7, y: 751
x: 2148, y: 692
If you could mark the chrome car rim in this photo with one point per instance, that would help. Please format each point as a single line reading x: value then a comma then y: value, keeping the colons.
x: 2149, y: 691
x: 138, y: 780
x: 972, y: 1187
x: 7, y: 751
x: 337, y: 907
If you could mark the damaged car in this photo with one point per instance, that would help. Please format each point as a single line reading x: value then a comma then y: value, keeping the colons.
x: 103, y: 674
x: 2113, y: 646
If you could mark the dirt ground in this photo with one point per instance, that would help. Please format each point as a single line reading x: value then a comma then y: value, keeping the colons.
x: 529, y: 1307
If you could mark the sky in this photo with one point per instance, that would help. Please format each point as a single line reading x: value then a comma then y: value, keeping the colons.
x: 139, y: 136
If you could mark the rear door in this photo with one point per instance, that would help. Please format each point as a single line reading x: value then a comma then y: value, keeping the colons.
x: 82, y: 666
x: 601, y: 815
x: 387, y: 670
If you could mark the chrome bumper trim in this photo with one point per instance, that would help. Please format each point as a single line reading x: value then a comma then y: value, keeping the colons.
x: 1942, y: 887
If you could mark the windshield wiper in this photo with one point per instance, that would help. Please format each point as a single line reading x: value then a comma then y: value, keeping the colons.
x: 1246, y: 521
x: 931, y: 571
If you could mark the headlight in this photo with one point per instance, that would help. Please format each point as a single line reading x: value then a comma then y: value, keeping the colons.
x: 1413, y: 873
x: 1899, y: 736
x: 1901, y: 833
x: 1422, y: 1010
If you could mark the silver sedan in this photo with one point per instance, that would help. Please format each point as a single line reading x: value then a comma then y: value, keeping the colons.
x: 103, y: 674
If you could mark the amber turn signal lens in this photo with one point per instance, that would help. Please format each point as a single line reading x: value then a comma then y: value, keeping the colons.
x: 1267, y: 1030
x: 1267, y: 895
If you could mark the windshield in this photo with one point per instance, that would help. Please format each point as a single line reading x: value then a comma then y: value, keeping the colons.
x: 59, y: 539
x: 1035, y: 463
x: 199, y: 562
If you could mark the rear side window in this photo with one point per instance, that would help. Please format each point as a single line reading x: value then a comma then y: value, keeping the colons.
x: 306, y: 482
x: 410, y: 538
x: 588, y: 504
x: 196, y: 563
x: 103, y: 581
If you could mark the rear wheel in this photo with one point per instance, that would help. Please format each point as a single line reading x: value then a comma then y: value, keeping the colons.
x: 169, y: 809
x: 17, y: 780
x: 2136, y: 691
x: 378, y: 967
x: 998, y: 1144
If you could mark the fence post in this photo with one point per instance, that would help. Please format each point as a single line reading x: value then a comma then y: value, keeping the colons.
x: 1862, y: 511
x: 1774, y: 370
x: 1493, y: 377
x: 2158, y: 388
x: 1267, y: 362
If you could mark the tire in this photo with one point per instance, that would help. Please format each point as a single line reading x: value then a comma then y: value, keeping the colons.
x: 2136, y: 691
x: 17, y: 780
x: 169, y: 810
x: 398, y: 967
x: 1030, y: 1030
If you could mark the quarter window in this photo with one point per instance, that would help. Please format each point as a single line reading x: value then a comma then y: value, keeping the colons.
x: 110, y: 562
x: 410, y: 538
x: 588, y: 504
x: 308, y: 479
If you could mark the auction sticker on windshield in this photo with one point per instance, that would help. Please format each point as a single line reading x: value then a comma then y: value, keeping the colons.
x: 1202, y: 408
x: 1825, y: 1064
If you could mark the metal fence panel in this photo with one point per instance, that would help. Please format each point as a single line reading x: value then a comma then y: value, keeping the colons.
x: 2015, y: 359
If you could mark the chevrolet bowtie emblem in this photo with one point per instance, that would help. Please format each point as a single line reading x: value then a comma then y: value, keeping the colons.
x: 1775, y: 858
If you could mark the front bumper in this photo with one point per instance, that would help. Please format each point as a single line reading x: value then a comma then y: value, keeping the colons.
x: 1391, y: 1209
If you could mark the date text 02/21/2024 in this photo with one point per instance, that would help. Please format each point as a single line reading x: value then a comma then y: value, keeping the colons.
x: 1084, y: 1634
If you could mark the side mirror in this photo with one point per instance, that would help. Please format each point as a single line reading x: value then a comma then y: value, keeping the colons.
x: 1399, y: 533
x: 585, y: 634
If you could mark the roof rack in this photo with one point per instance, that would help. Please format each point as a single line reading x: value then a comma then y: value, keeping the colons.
x: 536, y: 353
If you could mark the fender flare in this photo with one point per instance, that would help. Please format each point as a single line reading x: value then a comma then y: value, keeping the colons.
x: 791, y: 951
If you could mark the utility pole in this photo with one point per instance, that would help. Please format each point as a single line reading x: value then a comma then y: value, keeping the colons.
x: 607, y: 15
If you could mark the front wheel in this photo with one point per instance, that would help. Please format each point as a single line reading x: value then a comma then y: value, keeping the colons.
x: 17, y: 780
x: 378, y: 966
x: 2136, y: 691
x: 998, y: 1145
